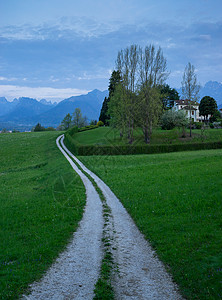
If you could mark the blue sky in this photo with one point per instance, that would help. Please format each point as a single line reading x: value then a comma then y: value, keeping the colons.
x: 54, y: 49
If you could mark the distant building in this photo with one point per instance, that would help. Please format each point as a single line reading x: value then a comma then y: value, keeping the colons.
x: 185, y: 105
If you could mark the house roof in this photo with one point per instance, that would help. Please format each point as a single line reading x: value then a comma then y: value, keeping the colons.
x: 186, y: 102
x: 187, y: 107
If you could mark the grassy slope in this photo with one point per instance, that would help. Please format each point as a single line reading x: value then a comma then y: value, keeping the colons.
x: 41, y: 203
x: 175, y: 199
x: 107, y: 136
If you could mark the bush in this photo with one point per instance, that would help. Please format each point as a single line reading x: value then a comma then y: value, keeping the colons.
x: 217, y: 124
x: 72, y: 131
x: 50, y: 129
x: 198, y: 125
x: 89, y: 127
x: 211, y: 125
x: 172, y: 118
x: 100, y: 123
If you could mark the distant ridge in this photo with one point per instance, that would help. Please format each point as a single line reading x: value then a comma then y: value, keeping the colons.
x: 27, y: 112
x: 212, y: 89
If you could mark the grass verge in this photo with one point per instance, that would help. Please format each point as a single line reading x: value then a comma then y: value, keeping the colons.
x: 175, y: 200
x: 41, y: 202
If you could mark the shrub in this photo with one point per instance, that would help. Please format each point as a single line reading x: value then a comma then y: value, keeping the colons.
x: 89, y: 127
x: 172, y: 118
x: 211, y: 125
x: 198, y: 125
x: 100, y: 123
x: 72, y: 131
x: 217, y: 124
x: 50, y: 129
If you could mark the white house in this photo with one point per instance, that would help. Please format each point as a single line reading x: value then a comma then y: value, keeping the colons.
x: 185, y: 105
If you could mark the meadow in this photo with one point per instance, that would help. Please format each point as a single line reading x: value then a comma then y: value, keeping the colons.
x: 41, y: 203
x: 175, y: 200
x: 108, y: 136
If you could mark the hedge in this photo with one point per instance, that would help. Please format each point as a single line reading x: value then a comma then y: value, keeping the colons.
x: 85, y: 150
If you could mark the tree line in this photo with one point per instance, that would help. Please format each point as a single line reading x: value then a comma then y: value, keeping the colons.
x: 76, y: 119
x: 136, y: 91
x: 138, y: 94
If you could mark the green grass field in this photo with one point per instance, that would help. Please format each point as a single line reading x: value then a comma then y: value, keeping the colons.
x: 175, y: 199
x: 107, y: 136
x: 41, y: 203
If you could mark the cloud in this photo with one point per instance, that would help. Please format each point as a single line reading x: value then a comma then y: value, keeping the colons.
x: 65, y: 28
x: 6, y: 79
x: 78, y: 52
x: 12, y: 91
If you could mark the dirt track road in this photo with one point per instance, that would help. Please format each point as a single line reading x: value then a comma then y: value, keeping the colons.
x: 140, y: 273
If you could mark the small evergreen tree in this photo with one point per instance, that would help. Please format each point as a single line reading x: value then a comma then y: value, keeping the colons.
x: 38, y: 127
x: 113, y: 82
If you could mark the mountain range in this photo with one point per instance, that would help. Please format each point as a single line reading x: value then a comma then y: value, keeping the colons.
x: 24, y: 113
x: 212, y: 89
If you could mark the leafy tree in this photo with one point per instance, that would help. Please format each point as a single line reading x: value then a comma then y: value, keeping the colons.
x: 152, y: 75
x: 190, y: 88
x: 117, y: 109
x: 136, y: 100
x: 38, y: 127
x: 215, y: 117
x: 208, y: 106
x: 127, y: 65
x: 168, y: 96
x: 67, y: 122
x: 78, y: 119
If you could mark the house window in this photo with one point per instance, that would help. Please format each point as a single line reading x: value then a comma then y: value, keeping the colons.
x: 192, y: 112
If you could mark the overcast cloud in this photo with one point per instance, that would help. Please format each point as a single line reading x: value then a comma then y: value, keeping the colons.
x: 73, y: 47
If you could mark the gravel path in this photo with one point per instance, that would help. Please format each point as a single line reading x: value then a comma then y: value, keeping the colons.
x: 140, y: 274
x: 76, y: 271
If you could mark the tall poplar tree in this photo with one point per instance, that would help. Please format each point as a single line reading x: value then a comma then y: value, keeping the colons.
x: 152, y: 74
x: 190, y: 88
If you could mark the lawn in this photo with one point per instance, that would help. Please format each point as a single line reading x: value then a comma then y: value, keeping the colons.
x: 41, y: 202
x: 109, y: 136
x: 175, y: 200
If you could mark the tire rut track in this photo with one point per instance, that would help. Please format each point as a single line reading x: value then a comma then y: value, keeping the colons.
x: 141, y: 275
x: 137, y: 273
